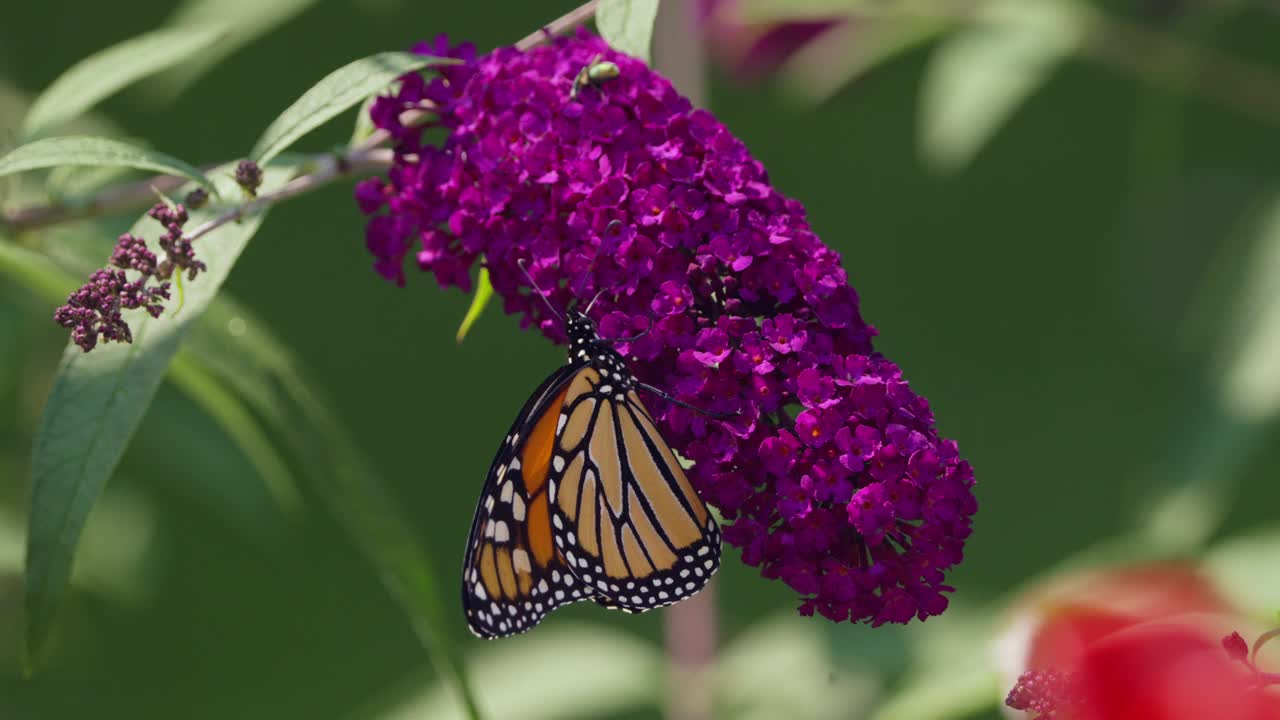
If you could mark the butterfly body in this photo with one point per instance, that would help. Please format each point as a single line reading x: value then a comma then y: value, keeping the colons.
x: 584, y: 500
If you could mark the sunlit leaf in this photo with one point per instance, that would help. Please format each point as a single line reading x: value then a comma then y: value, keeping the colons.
x: 842, y: 54
x: 777, y: 11
x: 984, y: 72
x: 1228, y: 417
x: 782, y: 667
x: 1243, y: 568
x: 560, y: 671
x: 364, y: 126
x: 36, y: 273
x: 480, y: 300
x: 240, y: 351
x: 118, y: 539
x: 238, y: 346
x: 74, y: 185
x: 956, y: 676
x: 95, y: 405
x: 336, y: 93
x: 102, y: 74
x: 234, y: 346
x: 1252, y: 388
x: 627, y: 25
x: 244, y: 21
x: 95, y: 151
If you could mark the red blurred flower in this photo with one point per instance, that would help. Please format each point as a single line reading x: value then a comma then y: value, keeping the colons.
x: 1134, y: 644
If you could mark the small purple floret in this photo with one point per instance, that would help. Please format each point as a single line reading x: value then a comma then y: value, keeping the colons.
x: 95, y: 310
x: 831, y: 475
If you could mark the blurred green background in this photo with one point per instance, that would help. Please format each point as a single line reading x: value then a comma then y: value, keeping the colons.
x: 1091, y: 303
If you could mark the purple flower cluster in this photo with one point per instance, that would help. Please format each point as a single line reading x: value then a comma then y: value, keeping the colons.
x: 831, y: 475
x: 96, y: 309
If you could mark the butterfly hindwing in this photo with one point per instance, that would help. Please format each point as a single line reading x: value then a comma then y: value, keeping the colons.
x: 512, y: 573
x: 624, y: 514
x: 584, y: 499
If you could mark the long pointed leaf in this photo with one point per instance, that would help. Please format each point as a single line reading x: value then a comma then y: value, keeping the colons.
x: 103, y: 73
x: 245, y: 21
x: 85, y: 150
x: 338, y: 91
x: 612, y: 673
x: 97, y: 401
x: 479, y: 301
x: 981, y: 76
x: 357, y: 496
x: 242, y: 350
x: 230, y: 413
x: 627, y: 25
x: 244, y: 355
x: 245, y: 358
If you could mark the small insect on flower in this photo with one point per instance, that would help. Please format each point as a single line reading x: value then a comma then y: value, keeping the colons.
x: 584, y: 500
x: 595, y: 74
x: 857, y: 502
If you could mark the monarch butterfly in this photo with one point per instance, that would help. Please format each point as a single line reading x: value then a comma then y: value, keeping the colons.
x: 584, y: 500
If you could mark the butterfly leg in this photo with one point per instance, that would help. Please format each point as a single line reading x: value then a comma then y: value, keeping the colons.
x: 660, y: 393
x: 633, y: 338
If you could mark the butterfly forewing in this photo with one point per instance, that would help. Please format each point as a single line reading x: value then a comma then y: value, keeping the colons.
x: 624, y: 514
x: 584, y: 499
x: 512, y: 573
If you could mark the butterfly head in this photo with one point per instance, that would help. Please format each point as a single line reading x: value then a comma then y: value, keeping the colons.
x: 581, y: 330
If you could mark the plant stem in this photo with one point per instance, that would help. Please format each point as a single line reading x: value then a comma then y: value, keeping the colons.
x: 139, y: 194
x: 1250, y: 89
x: 561, y: 25
x: 110, y: 201
x: 689, y: 629
x: 689, y: 625
x: 330, y: 168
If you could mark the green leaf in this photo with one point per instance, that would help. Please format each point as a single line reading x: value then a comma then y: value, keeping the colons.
x: 95, y: 405
x: 100, y: 75
x: 94, y: 151
x: 1251, y: 391
x: 842, y: 54
x: 781, y: 666
x: 955, y: 678
x: 245, y: 21
x: 118, y: 540
x: 614, y: 673
x: 484, y: 293
x: 1230, y: 415
x: 984, y: 72
x: 627, y: 25
x: 243, y: 352
x: 333, y: 95
x: 358, y: 498
x: 254, y: 367
x: 37, y: 273
x: 364, y: 126
x: 1241, y: 568
x: 232, y: 415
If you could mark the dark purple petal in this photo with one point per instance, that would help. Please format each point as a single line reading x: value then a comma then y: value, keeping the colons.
x: 831, y: 472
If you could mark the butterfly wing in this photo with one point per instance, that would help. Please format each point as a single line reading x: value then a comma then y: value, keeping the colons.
x: 512, y: 574
x: 623, y: 513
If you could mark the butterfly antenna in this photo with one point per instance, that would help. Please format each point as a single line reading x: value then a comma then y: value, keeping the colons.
x: 593, y: 302
x: 534, y: 284
x: 590, y: 269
